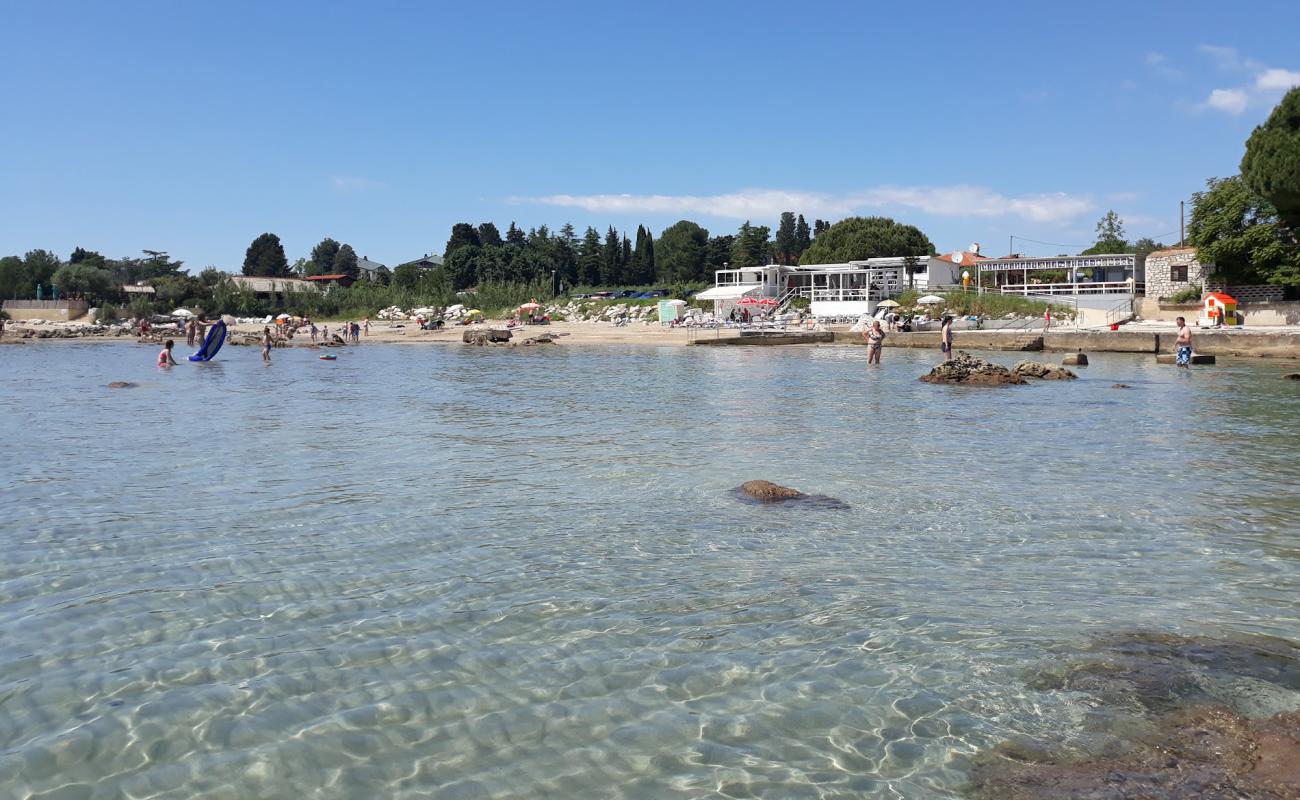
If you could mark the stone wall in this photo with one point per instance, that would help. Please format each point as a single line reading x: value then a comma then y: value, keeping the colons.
x: 1159, y: 269
x: 61, y: 310
x: 1248, y: 294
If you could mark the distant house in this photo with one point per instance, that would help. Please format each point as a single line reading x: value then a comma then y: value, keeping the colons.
x: 426, y: 261
x: 368, y: 270
x: 332, y: 280
x: 1175, y: 270
x: 272, y: 289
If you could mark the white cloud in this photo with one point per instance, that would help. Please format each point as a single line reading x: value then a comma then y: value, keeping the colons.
x: 1233, y: 101
x: 1226, y: 57
x: 343, y: 183
x: 1268, y: 85
x: 1277, y: 80
x: 1159, y: 63
x: 952, y: 201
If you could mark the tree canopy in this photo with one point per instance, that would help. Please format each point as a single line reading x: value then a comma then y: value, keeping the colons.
x: 858, y: 238
x: 1271, y: 166
x: 265, y: 257
x: 681, y: 251
x: 1238, y: 231
x: 322, y: 258
x: 1111, y: 237
x: 345, y: 262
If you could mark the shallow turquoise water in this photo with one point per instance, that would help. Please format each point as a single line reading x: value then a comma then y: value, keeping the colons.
x: 444, y: 572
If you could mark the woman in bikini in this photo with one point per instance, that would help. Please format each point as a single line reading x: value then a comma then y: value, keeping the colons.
x: 875, y: 340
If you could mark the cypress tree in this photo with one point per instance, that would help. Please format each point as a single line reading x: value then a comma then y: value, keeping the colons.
x: 802, y: 238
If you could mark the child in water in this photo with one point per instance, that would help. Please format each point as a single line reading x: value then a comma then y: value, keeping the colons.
x: 165, y: 355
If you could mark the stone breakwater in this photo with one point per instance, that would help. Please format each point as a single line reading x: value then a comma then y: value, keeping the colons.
x: 1216, y: 343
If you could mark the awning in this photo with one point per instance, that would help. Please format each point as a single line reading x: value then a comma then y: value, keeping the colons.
x: 729, y: 292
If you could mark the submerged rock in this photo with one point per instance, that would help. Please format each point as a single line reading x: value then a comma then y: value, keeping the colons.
x: 1048, y: 372
x: 1076, y: 360
x: 768, y: 492
x: 1292, y: 376
x: 121, y: 385
x: 1199, y: 718
x: 1120, y: 386
x: 972, y: 371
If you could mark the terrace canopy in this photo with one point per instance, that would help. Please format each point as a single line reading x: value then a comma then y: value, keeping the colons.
x: 728, y: 292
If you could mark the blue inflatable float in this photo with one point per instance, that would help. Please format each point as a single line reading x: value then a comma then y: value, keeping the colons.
x: 211, y: 343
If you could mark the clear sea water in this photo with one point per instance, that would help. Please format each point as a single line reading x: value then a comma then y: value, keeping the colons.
x: 426, y: 571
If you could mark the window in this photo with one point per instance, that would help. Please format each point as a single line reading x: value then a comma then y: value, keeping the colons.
x: 1178, y: 273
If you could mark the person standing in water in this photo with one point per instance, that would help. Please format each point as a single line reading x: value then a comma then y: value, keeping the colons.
x: 945, y: 338
x: 266, y: 344
x: 1183, y: 345
x: 875, y: 341
x: 165, y: 355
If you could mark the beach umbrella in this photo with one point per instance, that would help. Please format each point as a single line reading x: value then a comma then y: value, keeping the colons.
x: 887, y: 304
x: 182, y: 312
x: 473, y: 312
x: 530, y: 306
x: 676, y: 302
x: 284, y: 316
x: 930, y: 300
x: 756, y: 301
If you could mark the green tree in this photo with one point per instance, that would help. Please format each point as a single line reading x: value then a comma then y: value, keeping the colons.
x: 383, y: 275
x: 406, y: 277
x: 345, y: 263
x: 858, y: 238
x: 680, y: 252
x: 785, y: 247
x: 751, y: 246
x: 625, y: 263
x: 13, y: 279
x: 717, y: 256
x: 88, y: 257
x: 1271, y: 166
x: 40, y: 266
x: 1145, y: 246
x: 802, y: 238
x: 463, y: 266
x: 212, y: 277
x: 610, y: 274
x: 1111, y: 237
x: 83, y: 279
x: 463, y: 234
x: 265, y: 257
x: 590, y: 258
x: 322, y: 258
x: 514, y: 235
x: 488, y: 235
x: 820, y: 226
x: 1238, y: 231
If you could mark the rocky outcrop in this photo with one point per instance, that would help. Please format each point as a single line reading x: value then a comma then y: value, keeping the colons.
x: 968, y: 370
x: 1171, y: 721
x: 485, y: 336
x: 121, y: 385
x: 1292, y: 376
x: 1076, y: 360
x: 768, y: 492
x: 1120, y: 386
x: 1048, y: 372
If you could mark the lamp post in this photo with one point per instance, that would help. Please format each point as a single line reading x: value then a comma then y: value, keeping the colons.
x: 554, y: 291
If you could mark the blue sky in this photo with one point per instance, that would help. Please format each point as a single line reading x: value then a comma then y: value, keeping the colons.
x: 193, y: 127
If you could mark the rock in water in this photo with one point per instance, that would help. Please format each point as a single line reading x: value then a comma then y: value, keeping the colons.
x: 483, y: 336
x: 1048, y: 372
x: 969, y: 370
x: 1120, y: 386
x: 768, y: 492
x: 121, y: 385
x: 1292, y: 376
x: 1076, y: 360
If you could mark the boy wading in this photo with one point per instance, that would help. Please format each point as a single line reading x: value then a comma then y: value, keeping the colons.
x: 1183, y: 345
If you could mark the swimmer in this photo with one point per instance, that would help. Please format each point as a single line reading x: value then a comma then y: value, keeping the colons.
x: 165, y: 355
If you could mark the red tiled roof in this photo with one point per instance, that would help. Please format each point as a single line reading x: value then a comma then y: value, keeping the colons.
x: 327, y: 277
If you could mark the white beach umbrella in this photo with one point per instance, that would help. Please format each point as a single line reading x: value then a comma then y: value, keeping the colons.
x: 182, y: 312
x: 930, y: 300
x: 887, y: 304
x: 676, y: 302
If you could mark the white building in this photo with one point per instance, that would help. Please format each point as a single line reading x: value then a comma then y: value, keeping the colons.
x: 836, y: 290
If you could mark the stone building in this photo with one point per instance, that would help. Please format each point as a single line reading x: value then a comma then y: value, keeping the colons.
x: 1174, y: 270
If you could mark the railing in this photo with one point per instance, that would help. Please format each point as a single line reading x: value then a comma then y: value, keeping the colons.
x: 1113, y: 287
x: 1119, y: 314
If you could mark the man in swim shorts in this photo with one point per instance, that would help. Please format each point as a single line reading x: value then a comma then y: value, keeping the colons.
x: 1183, y: 345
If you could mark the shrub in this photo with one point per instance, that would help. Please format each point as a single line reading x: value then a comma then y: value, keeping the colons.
x: 1192, y: 294
x: 107, y: 313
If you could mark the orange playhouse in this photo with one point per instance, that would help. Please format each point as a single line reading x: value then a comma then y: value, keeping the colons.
x: 1219, y: 309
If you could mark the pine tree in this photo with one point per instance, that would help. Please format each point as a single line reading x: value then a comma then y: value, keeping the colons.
x: 625, y: 263
x: 345, y: 263
x: 265, y: 257
x: 819, y: 227
x: 462, y: 234
x: 610, y: 273
x: 785, y: 246
x: 322, y: 257
x: 514, y: 235
x: 488, y: 235
x: 802, y: 238
x: 648, y: 258
x: 590, y: 258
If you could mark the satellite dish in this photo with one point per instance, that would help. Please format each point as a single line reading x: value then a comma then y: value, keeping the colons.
x: 956, y: 256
